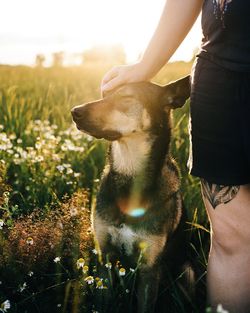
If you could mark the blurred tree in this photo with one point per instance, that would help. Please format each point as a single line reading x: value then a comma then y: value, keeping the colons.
x: 114, y: 54
x: 58, y: 58
x: 40, y: 59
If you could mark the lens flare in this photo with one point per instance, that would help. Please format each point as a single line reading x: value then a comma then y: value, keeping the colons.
x: 137, y: 212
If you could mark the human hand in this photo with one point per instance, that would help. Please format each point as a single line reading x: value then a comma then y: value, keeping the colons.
x: 122, y: 74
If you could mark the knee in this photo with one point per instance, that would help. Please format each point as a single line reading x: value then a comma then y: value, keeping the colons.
x: 228, y: 237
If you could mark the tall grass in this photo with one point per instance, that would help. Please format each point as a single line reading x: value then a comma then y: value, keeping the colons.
x: 45, y: 161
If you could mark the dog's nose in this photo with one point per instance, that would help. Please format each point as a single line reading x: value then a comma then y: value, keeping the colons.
x: 76, y: 112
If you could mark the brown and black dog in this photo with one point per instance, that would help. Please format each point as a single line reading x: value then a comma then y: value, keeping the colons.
x: 139, y: 205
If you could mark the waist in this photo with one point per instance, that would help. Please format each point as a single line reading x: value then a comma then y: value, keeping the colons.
x: 234, y: 62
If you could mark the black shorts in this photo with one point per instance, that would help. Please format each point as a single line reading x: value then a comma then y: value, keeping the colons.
x: 220, y: 124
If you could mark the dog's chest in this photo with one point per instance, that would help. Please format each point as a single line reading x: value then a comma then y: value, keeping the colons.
x: 130, y: 241
x: 124, y: 237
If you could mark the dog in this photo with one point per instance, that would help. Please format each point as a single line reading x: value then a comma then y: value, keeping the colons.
x: 139, y: 211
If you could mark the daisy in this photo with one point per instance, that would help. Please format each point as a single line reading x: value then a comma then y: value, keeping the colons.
x: 108, y: 265
x: 89, y: 280
x: 99, y: 284
x: 122, y: 271
x: 1, y: 223
x: 85, y: 269
x: 5, y: 306
x: 23, y: 287
x: 29, y: 241
x: 57, y: 259
x: 73, y: 211
x: 80, y: 263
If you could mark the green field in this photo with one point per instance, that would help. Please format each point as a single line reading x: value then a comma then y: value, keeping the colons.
x: 49, y: 174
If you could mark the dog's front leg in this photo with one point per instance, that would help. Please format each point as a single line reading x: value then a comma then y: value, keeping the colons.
x: 148, y: 284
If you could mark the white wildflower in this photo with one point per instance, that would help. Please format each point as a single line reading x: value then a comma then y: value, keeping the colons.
x: 5, y: 306
x: 89, y: 280
x: 108, y: 265
x: 39, y: 158
x: 12, y: 136
x: 122, y: 271
x: 99, y: 284
x: 69, y: 171
x: 73, y: 211
x: 57, y: 259
x: 66, y: 165
x: 1, y: 223
x: 30, y: 241
x: 60, y: 168
x: 23, y: 287
x: 80, y: 263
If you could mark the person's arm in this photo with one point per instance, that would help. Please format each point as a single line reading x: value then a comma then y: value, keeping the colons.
x: 176, y: 20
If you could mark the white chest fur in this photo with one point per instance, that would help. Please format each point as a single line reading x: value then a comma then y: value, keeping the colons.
x: 123, y: 235
x: 130, y: 154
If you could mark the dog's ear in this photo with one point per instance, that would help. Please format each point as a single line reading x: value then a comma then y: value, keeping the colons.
x: 176, y: 93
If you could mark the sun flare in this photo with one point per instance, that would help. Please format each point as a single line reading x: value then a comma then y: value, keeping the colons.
x: 72, y: 26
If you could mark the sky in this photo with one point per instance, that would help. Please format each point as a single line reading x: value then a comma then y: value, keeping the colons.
x: 29, y: 27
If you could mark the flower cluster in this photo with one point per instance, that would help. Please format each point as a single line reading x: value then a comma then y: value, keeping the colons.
x: 46, y: 163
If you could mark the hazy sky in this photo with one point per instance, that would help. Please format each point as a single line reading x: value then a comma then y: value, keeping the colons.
x: 28, y: 27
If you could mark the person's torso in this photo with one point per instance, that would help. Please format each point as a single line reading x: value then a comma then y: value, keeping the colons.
x: 226, y: 33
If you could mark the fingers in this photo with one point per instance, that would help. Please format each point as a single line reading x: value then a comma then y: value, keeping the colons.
x: 109, y: 75
x: 122, y: 74
x: 109, y: 80
x: 113, y: 83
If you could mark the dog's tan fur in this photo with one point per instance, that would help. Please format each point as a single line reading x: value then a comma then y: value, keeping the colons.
x: 140, y: 174
x: 130, y: 153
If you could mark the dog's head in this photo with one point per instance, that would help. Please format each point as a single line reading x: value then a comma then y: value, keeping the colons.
x: 131, y: 108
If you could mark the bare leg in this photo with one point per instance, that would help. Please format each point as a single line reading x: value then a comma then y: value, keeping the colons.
x: 229, y: 260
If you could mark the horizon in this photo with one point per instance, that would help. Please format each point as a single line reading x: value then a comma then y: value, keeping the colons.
x: 44, y: 27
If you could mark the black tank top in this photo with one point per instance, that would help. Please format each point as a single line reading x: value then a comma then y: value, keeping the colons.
x: 226, y: 33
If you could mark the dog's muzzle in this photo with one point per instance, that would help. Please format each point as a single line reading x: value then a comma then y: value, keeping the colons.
x: 84, y: 124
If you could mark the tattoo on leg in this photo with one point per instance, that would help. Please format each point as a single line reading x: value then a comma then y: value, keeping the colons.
x: 217, y: 194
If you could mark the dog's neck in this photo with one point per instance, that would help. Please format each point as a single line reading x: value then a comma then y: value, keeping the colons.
x: 140, y: 156
x: 129, y: 155
x: 135, y: 166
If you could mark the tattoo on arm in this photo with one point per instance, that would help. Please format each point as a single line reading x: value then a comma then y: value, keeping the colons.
x: 217, y: 194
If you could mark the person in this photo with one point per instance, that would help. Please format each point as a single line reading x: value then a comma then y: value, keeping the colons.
x: 220, y: 130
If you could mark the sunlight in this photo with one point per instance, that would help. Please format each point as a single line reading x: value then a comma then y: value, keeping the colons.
x: 49, y: 26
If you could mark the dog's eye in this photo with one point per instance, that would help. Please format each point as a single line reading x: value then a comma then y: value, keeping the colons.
x: 122, y: 96
x: 126, y: 99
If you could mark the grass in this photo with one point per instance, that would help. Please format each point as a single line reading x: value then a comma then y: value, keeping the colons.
x: 49, y: 174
